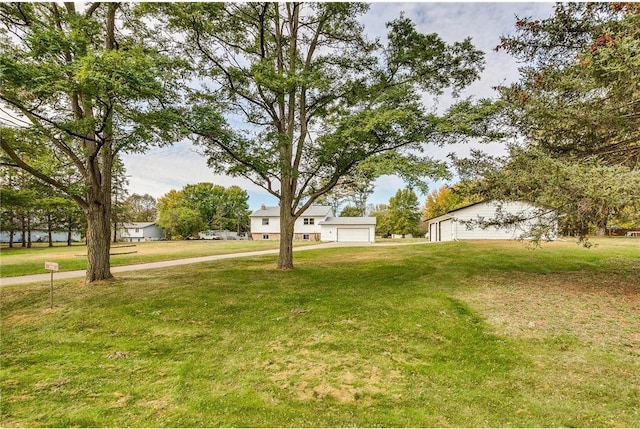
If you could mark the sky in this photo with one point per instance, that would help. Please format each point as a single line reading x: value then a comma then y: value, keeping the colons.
x: 161, y: 169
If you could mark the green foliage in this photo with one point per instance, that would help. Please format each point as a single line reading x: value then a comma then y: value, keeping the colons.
x: 579, y: 93
x: 28, y: 205
x: 218, y: 208
x: 311, y: 98
x: 585, y: 194
x: 575, y: 113
x: 350, y: 211
x: 404, y: 213
x: 381, y: 213
x: 140, y: 208
x: 180, y: 222
x: 79, y: 85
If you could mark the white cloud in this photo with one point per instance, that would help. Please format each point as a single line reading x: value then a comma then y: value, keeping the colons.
x: 159, y: 170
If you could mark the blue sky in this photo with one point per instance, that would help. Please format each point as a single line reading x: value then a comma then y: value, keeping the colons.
x: 162, y: 169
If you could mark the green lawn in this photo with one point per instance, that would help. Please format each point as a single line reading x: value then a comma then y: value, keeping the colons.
x: 454, y: 334
x: 21, y: 261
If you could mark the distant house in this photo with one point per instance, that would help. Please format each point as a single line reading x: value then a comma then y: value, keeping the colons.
x: 315, y: 224
x: 466, y: 223
x: 140, y: 231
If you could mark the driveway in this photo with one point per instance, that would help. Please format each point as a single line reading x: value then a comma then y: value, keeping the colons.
x: 9, y: 281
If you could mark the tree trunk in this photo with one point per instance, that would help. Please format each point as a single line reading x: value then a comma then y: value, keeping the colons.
x: 23, y: 235
x: 98, y: 242
x: 287, y: 222
x: 98, y: 212
x: 49, y: 228
x: 69, y: 231
x: 11, y: 230
x: 28, y: 232
x: 99, y: 168
x: 601, y: 228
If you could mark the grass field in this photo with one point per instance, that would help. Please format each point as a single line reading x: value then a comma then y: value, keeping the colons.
x: 454, y: 334
x: 21, y: 261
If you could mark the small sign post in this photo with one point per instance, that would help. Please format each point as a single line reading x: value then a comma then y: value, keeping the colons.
x: 51, y: 266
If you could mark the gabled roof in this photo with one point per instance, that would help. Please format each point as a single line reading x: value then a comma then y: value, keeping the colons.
x: 349, y: 221
x: 130, y: 225
x: 275, y: 211
x: 267, y: 212
x: 449, y: 214
x: 444, y: 215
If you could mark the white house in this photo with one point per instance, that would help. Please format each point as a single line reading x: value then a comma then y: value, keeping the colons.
x: 466, y: 223
x: 316, y: 223
x: 140, y: 231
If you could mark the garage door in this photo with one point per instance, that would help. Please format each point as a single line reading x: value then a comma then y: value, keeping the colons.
x: 446, y: 230
x: 349, y: 234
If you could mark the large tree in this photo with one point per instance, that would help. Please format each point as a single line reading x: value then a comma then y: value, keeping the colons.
x: 576, y: 111
x: 579, y: 92
x: 404, y: 213
x: 83, y: 84
x: 312, y: 96
x: 140, y: 208
x: 447, y: 198
x: 217, y: 208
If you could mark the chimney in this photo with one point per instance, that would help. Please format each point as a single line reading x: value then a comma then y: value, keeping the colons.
x: 262, y: 207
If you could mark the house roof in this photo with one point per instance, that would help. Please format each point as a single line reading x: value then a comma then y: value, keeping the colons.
x: 130, y: 225
x: 349, y: 221
x: 449, y: 214
x: 275, y: 211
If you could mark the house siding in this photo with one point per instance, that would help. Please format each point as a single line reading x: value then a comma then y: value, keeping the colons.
x: 452, y: 226
x: 147, y: 233
x: 258, y: 228
x: 317, y: 213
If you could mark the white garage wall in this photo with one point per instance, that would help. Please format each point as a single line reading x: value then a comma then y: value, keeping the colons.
x: 331, y: 233
x: 464, y: 225
x: 488, y: 211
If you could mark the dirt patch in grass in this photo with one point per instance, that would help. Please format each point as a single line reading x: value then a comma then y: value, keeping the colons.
x: 598, y: 308
x: 314, y: 374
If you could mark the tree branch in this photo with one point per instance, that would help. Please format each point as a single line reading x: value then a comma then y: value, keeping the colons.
x: 28, y: 168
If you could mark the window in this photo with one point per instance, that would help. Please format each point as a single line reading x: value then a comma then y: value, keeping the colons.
x: 265, y: 221
x: 137, y: 229
x: 308, y: 221
x: 305, y: 236
x: 265, y: 236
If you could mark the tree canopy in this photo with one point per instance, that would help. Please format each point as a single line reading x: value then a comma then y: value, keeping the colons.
x: 214, y: 206
x: 575, y: 115
x: 404, y: 213
x: 79, y: 84
x: 313, y: 97
x: 447, y: 198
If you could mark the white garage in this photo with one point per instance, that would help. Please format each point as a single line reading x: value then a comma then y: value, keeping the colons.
x: 465, y: 223
x: 355, y: 234
x: 348, y: 229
